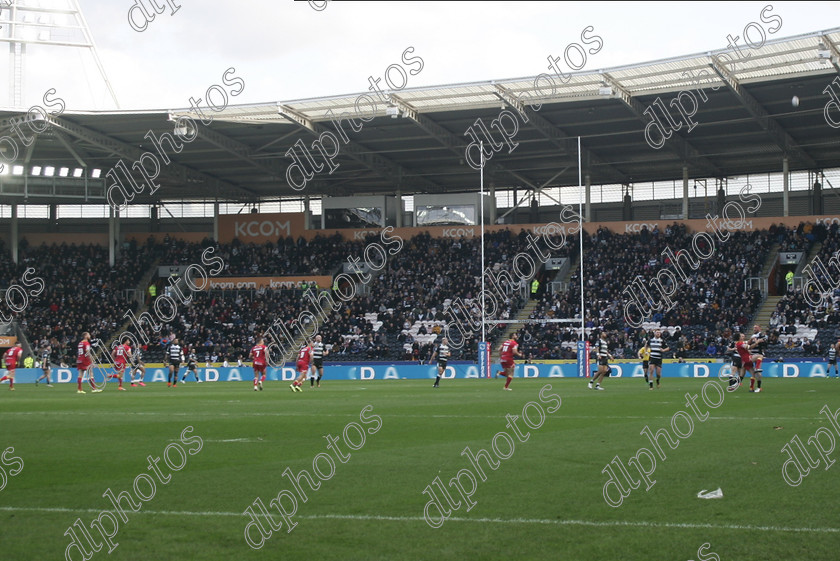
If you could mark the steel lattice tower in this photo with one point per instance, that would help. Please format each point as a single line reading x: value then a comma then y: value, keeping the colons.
x: 56, y: 23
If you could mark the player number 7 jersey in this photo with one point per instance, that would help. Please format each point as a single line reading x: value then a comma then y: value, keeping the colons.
x: 258, y: 354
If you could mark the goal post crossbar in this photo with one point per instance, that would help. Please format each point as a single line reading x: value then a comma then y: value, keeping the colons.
x: 529, y: 321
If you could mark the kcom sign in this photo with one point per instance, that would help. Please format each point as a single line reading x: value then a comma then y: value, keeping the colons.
x: 260, y: 228
x: 266, y: 228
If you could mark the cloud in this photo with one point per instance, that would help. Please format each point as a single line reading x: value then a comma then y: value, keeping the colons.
x: 287, y: 50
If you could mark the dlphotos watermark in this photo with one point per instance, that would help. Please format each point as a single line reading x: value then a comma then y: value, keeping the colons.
x: 323, y: 466
x: 794, y: 470
x: 174, y: 457
x: 464, y: 482
x: 682, y: 427
x: 7, y: 461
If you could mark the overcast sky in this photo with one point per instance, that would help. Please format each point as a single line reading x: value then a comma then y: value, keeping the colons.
x: 287, y: 50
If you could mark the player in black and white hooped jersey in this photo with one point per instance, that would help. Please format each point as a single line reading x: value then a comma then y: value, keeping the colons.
x: 192, y: 366
x: 442, y: 353
x: 656, y: 351
x: 603, y: 353
x: 832, y: 359
x: 175, y: 355
x: 45, y: 365
x: 758, y: 346
x: 736, y: 369
x: 318, y: 354
x: 138, y: 367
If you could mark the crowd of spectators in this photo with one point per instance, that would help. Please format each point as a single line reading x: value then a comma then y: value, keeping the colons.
x: 83, y: 293
x: 319, y: 256
x: 713, y: 296
x: 800, y: 238
x: 826, y: 289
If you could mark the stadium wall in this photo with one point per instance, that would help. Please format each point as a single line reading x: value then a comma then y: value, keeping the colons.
x: 413, y: 371
x: 35, y: 239
x: 748, y: 224
x: 268, y: 222
x: 142, y: 237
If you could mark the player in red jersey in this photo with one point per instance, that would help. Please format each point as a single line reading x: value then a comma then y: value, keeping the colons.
x: 304, y: 356
x: 258, y: 356
x: 121, y: 355
x: 507, y: 351
x: 84, y: 363
x: 747, y: 359
x: 11, y: 358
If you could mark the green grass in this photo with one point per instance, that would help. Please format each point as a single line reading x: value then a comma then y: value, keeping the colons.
x: 545, y: 502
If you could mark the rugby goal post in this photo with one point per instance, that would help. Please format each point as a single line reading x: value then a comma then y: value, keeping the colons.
x: 582, y: 347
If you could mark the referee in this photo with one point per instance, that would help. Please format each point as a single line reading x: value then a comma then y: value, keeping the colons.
x: 644, y: 355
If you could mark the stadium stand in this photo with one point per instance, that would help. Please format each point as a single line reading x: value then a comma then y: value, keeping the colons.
x: 401, y: 314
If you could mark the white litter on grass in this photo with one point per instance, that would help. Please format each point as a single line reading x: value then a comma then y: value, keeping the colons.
x: 716, y: 494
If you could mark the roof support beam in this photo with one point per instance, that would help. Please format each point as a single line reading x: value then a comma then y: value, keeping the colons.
x: 537, y: 191
x: 677, y: 144
x: 231, y: 146
x: 380, y: 165
x: 446, y: 138
x: 780, y: 136
x: 62, y: 138
x: 179, y: 172
x: 28, y: 156
x: 556, y: 135
x: 548, y: 130
x: 835, y: 53
x: 296, y: 117
x: 272, y: 143
x: 449, y: 140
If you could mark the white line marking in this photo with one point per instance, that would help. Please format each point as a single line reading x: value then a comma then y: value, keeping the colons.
x: 228, y: 440
x: 204, y: 413
x: 639, y: 524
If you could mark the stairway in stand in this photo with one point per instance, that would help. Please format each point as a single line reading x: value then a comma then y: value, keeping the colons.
x: 766, y: 310
x: 523, y: 314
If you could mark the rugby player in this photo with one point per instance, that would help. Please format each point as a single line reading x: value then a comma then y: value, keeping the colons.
x: 11, y: 358
x: 304, y: 357
x: 507, y: 351
x: 656, y: 351
x: 604, y: 357
x: 318, y: 354
x: 258, y: 356
x: 442, y: 353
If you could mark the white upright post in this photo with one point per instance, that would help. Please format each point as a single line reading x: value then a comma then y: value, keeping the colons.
x: 111, y: 237
x: 14, y: 234
x: 481, y: 204
x: 216, y: 221
x: 580, y: 226
x: 785, y: 187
